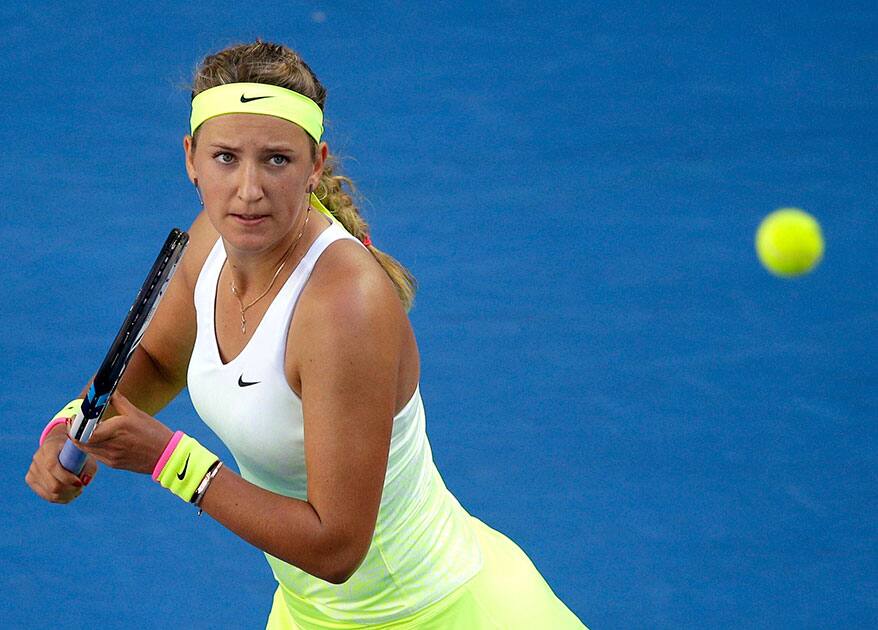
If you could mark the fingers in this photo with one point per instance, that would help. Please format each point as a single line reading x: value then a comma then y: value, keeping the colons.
x: 103, y: 432
x: 123, y: 405
x: 88, y: 471
x: 55, y: 494
x: 49, y: 488
x: 62, y: 476
x: 50, y: 480
x: 94, y: 449
x: 109, y: 452
x: 131, y: 441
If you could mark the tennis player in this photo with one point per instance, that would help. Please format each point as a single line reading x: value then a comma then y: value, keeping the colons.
x: 290, y: 329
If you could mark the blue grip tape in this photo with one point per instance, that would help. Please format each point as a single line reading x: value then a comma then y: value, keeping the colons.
x: 72, y: 458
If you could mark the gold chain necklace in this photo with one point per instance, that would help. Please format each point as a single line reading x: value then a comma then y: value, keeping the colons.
x: 274, y: 277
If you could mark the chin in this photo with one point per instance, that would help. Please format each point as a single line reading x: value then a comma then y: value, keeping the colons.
x: 249, y: 238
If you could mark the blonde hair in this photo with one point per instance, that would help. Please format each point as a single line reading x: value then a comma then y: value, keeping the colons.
x: 276, y: 64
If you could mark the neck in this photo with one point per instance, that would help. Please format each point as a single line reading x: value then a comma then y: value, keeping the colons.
x: 251, y: 273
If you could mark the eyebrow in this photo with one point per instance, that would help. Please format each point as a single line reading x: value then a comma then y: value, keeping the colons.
x: 271, y: 148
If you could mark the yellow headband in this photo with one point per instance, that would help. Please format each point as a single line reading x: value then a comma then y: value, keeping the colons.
x: 258, y: 98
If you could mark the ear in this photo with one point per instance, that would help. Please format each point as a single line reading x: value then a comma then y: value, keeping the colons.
x: 190, y: 159
x: 317, y: 170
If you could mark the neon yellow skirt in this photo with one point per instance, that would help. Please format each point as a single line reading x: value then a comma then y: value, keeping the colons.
x: 507, y: 594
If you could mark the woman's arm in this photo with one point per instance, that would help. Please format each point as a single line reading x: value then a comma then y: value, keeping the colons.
x: 353, y: 323
x: 156, y: 373
x: 144, y: 383
x: 348, y: 371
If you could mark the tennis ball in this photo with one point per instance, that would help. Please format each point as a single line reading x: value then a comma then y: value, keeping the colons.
x: 789, y: 242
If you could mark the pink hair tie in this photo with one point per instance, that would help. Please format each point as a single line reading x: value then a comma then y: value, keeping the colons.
x: 367, y: 241
x: 166, y: 455
x: 52, y: 424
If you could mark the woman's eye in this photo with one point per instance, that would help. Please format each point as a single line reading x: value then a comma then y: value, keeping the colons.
x: 224, y: 158
x: 279, y: 160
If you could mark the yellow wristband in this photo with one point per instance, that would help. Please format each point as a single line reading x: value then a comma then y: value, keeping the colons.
x: 186, y: 467
x: 70, y: 409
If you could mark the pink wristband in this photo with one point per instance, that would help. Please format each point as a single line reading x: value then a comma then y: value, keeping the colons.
x: 52, y: 424
x: 166, y: 455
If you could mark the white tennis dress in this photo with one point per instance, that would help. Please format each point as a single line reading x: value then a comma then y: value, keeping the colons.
x: 424, y: 546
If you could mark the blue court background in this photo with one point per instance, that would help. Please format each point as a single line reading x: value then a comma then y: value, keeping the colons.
x: 675, y: 437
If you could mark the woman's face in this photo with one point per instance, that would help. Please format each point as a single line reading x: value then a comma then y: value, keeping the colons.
x: 254, y: 173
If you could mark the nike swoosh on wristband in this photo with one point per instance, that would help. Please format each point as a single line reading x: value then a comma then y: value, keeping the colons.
x: 243, y: 383
x: 182, y: 473
x: 244, y: 99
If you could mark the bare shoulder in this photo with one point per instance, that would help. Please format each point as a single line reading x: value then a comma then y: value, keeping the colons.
x: 349, y: 266
x: 349, y: 318
x: 347, y: 285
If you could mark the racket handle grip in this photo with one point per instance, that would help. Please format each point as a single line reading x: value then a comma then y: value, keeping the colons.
x: 72, y: 458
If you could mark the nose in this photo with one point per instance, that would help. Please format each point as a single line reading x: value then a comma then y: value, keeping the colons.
x: 249, y: 184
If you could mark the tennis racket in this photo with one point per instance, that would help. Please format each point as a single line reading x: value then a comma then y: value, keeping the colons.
x: 111, y: 370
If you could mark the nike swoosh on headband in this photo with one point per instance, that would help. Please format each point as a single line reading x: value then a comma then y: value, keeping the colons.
x: 244, y: 99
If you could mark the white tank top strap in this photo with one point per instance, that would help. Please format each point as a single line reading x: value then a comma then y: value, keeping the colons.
x: 335, y: 232
x: 268, y: 341
x: 214, y: 262
x: 205, y: 286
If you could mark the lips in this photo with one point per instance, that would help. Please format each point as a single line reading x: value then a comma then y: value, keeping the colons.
x: 249, y: 219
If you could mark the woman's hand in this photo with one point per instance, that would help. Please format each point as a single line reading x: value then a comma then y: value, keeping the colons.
x: 132, y: 440
x: 49, y: 479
